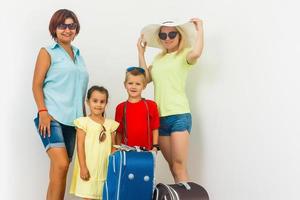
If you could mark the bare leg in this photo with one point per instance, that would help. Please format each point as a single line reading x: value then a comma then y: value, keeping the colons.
x: 59, y: 164
x: 165, y: 146
x: 179, y: 152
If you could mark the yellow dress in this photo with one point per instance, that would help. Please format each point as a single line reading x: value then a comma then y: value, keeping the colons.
x: 96, y: 158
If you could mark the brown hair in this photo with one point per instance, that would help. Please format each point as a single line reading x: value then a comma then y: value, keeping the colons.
x: 59, y: 17
x: 100, y: 89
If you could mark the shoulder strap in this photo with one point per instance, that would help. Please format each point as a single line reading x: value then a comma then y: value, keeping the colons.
x: 124, y: 134
x: 125, y: 122
x: 148, y: 122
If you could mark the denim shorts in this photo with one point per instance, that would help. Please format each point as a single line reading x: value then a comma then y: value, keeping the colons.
x: 61, y: 136
x: 175, y: 123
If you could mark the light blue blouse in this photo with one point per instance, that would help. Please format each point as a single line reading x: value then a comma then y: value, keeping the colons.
x: 65, y: 85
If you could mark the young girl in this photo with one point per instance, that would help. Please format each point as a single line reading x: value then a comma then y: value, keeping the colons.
x: 94, y: 144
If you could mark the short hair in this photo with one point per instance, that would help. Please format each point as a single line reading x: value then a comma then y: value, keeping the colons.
x: 59, y: 17
x: 135, y: 72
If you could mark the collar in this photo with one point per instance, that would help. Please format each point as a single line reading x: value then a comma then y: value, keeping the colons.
x: 55, y: 45
x: 75, y: 49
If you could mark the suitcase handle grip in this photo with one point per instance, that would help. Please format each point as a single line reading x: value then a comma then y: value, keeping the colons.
x: 185, y: 184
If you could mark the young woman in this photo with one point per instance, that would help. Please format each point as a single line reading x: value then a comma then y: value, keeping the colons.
x: 181, y: 46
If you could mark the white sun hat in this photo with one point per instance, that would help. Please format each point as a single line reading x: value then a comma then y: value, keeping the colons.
x: 151, y: 31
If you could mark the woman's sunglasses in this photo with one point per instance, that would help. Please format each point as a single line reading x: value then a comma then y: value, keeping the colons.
x: 72, y: 26
x: 171, y: 35
x: 102, y: 135
x: 141, y: 70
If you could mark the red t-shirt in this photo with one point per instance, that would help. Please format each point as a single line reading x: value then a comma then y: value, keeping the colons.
x: 136, y: 122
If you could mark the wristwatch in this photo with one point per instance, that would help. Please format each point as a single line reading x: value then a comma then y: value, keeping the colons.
x: 156, y: 146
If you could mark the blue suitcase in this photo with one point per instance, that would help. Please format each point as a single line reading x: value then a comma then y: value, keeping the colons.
x: 130, y: 176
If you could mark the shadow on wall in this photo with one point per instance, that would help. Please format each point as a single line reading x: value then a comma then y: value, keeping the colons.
x: 196, y: 137
x: 201, y: 80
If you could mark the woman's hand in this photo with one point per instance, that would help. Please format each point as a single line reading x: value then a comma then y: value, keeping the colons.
x: 84, y: 174
x: 44, y: 123
x: 141, y: 45
x: 196, y: 52
x: 198, y: 23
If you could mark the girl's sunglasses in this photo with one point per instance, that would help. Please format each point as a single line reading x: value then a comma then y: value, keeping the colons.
x: 102, y: 135
x: 171, y: 35
x: 72, y: 26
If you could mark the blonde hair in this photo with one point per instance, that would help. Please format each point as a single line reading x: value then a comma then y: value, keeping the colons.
x: 183, y: 43
x: 135, y: 72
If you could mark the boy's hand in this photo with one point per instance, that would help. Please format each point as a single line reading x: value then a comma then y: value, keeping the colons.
x: 84, y: 174
x: 154, y: 149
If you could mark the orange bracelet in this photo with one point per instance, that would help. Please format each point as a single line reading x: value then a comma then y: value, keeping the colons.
x: 42, y: 110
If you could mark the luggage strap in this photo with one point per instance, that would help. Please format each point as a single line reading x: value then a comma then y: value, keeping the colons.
x: 124, y: 147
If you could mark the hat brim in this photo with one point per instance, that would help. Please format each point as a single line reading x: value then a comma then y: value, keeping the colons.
x: 151, y: 31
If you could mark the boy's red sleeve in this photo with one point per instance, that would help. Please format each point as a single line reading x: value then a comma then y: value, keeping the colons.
x: 118, y: 118
x: 154, y: 116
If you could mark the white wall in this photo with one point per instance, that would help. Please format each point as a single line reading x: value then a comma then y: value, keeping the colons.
x: 244, y: 94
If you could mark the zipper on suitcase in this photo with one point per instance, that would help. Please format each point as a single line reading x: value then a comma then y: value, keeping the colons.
x: 114, y: 164
x: 119, y: 178
x: 169, y: 191
x: 106, y: 188
x: 124, y: 155
x: 175, y: 193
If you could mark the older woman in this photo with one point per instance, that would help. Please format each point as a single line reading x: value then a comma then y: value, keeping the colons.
x: 59, y: 86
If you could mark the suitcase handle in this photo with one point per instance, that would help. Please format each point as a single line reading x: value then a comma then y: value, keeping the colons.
x: 124, y: 147
x: 185, y: 184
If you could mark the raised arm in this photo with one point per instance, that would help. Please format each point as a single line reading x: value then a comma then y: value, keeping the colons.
x: 196, y: 52
x: 141, y: 45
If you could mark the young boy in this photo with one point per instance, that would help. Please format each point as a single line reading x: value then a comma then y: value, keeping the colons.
x: 138, y: 117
